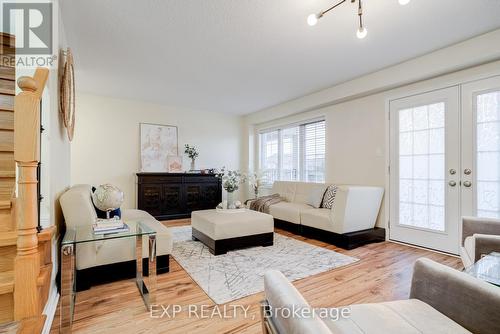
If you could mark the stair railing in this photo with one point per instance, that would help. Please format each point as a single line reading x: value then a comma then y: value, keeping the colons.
x: 27, y: 156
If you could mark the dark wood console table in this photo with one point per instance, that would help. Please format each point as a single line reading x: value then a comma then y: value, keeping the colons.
x: 175, y: 195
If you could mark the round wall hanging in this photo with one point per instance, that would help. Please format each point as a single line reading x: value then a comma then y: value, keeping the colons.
x: 67, y: 94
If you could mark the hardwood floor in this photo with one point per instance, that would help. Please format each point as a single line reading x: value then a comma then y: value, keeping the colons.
x: 382, y: 274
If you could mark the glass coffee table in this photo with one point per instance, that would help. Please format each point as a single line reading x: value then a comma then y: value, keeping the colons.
x: 487, y: 268
x: 85, y: 234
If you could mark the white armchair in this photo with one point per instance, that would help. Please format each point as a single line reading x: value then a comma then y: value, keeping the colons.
x: 111, y: 258
x: 480, y: 236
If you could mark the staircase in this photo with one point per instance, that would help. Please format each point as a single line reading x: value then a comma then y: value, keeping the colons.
x: 8, y: 233
x: 25, y: 254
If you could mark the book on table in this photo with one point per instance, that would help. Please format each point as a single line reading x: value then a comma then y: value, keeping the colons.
x: 104, y: 226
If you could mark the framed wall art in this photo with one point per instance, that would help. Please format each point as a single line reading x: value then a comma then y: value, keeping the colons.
x: 158, y: 143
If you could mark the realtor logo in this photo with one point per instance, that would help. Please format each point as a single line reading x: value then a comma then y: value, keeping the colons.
x: 31, y: 23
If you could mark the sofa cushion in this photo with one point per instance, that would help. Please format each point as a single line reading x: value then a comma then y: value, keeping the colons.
x: 303, y: 191
x: 77, y: 206
x: 286, y: 189
x: 315, y: 196
x: 287, y: 211
x: 402, y: 317
x: 317, y: 218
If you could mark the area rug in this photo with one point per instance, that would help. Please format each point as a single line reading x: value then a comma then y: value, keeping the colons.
x: 240, y: 273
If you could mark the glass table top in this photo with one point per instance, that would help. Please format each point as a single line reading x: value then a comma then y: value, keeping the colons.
x: 487, y: 268
x: 86, y: 233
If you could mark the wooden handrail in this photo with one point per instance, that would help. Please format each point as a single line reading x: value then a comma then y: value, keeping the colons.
x: 27, y: 156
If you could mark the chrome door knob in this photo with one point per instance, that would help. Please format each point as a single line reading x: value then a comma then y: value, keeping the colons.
x: 467, y: 184
x: 453, y: 171
x: 467, y: 171
x: 452, y: 183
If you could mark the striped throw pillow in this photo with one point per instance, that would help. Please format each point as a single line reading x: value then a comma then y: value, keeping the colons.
x: 329, y: 197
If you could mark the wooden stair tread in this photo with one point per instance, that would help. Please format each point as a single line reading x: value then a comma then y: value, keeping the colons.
x: 7, y: 173
x: 7, y: 102
x: 5, y: 205
x: 32, y: 325
x: 8, y: 73
x: 7, y: 87
x: 8, y: 238
x: 6, y: 282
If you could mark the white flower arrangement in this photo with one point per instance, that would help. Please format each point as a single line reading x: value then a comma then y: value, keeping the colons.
x: 256, y: 179
x: 231, y: 179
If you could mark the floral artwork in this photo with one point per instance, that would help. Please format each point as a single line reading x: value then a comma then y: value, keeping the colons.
x: 158, y: 143
x: 174, y: 164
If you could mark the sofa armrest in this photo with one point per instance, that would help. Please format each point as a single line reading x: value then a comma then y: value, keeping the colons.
x: 475, y: 225
x: 282, y: 295
x: 470, y: 302
x: 356, y: 208
x: 485, y: 244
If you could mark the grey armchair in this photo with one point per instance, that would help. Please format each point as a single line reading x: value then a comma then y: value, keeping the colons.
x: 442, y: 300
x: 480, y: 236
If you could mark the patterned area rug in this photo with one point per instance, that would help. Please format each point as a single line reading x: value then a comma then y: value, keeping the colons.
x: 239, y: 273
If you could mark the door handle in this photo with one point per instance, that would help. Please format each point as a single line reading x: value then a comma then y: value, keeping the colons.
x: 467, y: 184
x: 452, y: 183
x: 467, y: 171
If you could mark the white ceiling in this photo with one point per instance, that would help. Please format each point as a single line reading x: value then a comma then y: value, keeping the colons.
x: 241, y: 56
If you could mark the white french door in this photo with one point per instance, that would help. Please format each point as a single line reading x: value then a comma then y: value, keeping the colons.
x: 481, y: 148
x: 425, y: 163
x: 445, y: 162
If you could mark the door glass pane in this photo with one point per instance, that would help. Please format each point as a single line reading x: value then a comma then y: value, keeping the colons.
x: 422, y: 166
x: 488, y: 154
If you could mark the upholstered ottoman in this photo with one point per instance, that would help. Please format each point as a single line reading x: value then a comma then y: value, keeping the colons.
x: 221, y: 231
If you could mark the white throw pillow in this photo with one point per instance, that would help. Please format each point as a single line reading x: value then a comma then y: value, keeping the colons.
x: 316, y: 197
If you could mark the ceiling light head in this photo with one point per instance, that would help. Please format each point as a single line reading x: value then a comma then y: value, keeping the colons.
x: 404, y: 2
x: 312, y: 19
x: 361, y: 33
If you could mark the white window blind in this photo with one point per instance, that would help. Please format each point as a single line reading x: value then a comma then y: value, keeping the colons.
x: 293, y: 153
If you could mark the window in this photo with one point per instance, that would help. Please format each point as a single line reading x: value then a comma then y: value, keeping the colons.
x: 293, y: 153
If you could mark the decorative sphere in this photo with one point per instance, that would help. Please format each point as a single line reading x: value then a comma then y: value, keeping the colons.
x: 107, y: 197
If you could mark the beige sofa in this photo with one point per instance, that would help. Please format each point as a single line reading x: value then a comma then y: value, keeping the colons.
x: 350, y: 222
x: 112, y: 259
x: 442, y: 300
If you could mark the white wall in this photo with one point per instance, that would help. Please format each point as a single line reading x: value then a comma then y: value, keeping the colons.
x: 106, y: 144
x: 56, y: 171
x: 356, y: 118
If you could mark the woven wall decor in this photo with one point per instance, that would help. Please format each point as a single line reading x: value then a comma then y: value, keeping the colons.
x: 67, y: 94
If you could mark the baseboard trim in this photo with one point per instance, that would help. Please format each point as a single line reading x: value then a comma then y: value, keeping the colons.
x: 50, y: 310
x: 423, y: 248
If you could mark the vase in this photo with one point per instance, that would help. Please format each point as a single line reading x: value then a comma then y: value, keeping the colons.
x: 230, y: 200
x: 193, y: 164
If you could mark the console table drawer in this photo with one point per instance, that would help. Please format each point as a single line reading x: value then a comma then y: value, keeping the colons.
x: 201, y: 179
x: 160, y: 179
